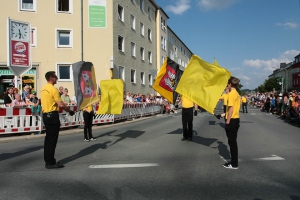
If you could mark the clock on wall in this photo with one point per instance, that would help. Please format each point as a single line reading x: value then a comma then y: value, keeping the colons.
x: 19, y: 31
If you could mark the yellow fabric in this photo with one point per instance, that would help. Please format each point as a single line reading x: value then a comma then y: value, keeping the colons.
x: 90, y: 101
x: 225, y: 98
x: 234, y: 101
x: 163, y: 92
x: 49, y: 96
x: 203, y: 82
x: 244, y: 100
x: 89, y: 108
x: 186, y: 103
x: 111, y: 96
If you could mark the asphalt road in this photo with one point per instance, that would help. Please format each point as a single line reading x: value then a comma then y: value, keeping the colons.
x: 145, y: 159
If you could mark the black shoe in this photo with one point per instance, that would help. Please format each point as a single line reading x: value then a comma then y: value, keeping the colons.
x: 54, y: 166
x: 218, y: 116
x: 183, y: 139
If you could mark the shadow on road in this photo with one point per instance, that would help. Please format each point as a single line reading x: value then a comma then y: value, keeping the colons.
x: 128, y: 134
x: 223, y: 151
x: 84, y: 152
x: 5, y: 156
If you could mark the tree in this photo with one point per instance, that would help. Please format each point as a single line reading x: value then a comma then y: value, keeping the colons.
x: 271, y: 84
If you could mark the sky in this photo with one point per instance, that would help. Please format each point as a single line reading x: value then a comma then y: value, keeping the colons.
x: 250, y: 38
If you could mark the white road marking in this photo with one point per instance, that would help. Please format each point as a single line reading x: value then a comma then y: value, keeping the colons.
x: 273, y: 157
x: 124, y: 165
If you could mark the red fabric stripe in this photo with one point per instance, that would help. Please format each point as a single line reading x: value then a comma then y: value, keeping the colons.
x: 16, y: 111
x: 102, y: 121
x: 26, y: 129
x: 14, y: 130
x: 28, y: 111
x: 60, y: 110
x: 2, y: 111
x: 37, y: 128
x: 2, y: 130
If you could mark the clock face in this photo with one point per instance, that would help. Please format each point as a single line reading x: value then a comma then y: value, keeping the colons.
x: 19, y: 31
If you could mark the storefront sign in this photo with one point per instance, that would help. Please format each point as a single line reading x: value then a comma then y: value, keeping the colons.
x: 97, y: 13
x: 8, y: 72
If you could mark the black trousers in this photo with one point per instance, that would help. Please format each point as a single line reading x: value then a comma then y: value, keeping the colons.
x: 244, y: 105
x: 231, y: 132
x: 52, y: 124
x: 88, y: 122
x: 187, y: 122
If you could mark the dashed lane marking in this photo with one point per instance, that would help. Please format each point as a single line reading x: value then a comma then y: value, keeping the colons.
x: 124, y: 165
x: 273, y: 157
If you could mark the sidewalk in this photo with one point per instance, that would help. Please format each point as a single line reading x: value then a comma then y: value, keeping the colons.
x: 71, y: 131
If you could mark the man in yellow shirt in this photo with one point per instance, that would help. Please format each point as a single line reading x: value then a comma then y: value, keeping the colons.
x: 51, y: 101
x: 244, y: 103
x: 233, y: 121
x: 187, y: 117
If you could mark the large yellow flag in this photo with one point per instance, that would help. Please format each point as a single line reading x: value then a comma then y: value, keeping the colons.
x: 203, y: 83
x: 111, y: 96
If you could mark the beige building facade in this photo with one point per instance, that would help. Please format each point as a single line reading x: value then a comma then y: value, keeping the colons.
x: 124, y: 39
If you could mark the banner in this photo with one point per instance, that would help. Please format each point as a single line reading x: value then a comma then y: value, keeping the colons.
x: 112, y: 96
x: 203, y: 83
x: 84, y: 84
x: 167, y: 80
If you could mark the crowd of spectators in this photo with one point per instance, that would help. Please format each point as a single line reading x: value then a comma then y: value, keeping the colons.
x: 285, y: 104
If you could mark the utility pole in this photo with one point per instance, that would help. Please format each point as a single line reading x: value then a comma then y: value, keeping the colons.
x: 282, y: 84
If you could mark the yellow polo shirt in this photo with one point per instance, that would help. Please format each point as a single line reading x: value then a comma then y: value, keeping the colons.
x: 186, y: 103
x: 244, y: 100
x: 234, y: 101
x: 49, y: 96
x: 225, y: 98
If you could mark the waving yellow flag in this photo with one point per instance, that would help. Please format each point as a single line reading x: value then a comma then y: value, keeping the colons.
x: 203, y: 83
x: 111, y: 96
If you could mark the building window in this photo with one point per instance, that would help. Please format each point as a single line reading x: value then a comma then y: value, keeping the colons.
x: 132, y: 22
x: 121, y: 43
x: 64, y: 38
x: 64, y: 72
x: 162, y: 60
x: 142, y: 5
x: 121, y: 73
x: 27, y: 5
x: 149, y: 13
x: 133, y: 76
x: 149, y: 35
x: 64, y: 6
x: 150, y: 79
x: 142, y: 51
x: 121, y: 13
x: 33, y: 37
x: 132, y: 49
x: 149, y: 57
x: 163, y: 24
x: 142, y: 28
x: 143, y: 78
x: 163, y: 43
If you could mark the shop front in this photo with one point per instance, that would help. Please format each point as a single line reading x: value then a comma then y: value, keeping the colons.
x: 7, y: 80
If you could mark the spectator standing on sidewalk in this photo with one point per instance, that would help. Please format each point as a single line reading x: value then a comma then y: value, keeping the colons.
x: 233, y: 122
x: 88, y: 116
x: 187, y: 117
x: 244, y: 103
x: 8, y: 97
x: 65, y: 97
x: 51, y: 102
x: 61, y: 90
x: 18, y: 102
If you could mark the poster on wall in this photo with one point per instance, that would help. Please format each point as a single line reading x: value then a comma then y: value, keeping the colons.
x: 18, y: 48
x: 97, y: 13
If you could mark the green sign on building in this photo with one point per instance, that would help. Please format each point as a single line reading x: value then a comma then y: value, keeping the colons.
x: 97, y: 13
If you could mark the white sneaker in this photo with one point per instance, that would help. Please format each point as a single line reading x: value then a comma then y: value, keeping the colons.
x: 86, y: 140
x: 93, y: 139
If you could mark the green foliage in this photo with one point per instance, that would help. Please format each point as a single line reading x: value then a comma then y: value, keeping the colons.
x: 272, y: 83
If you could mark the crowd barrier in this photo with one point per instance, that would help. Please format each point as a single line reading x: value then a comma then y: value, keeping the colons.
x: 22, y: 120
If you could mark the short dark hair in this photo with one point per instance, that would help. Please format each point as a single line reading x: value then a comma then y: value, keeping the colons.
x: 50, y: 74
x: 234, y: 81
